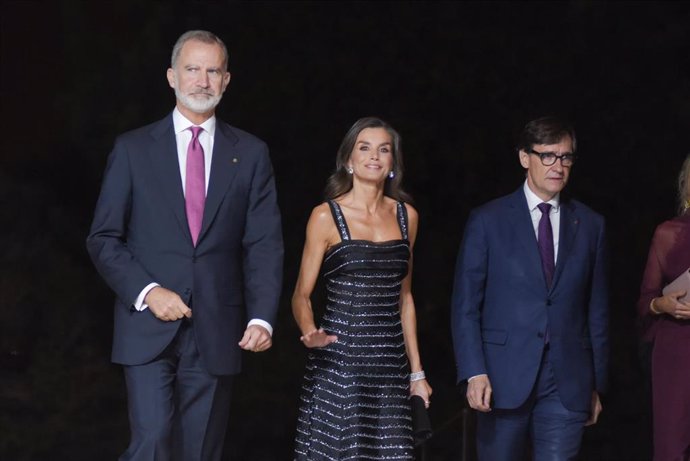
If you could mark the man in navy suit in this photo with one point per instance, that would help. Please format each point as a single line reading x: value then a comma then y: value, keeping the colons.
x: 530, y: 308
x: 187, y: 233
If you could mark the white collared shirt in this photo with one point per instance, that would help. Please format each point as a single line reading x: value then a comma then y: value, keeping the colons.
x: 183, y: 136
x: 554, y: 215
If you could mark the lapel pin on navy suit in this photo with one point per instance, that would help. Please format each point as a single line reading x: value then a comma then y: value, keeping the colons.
x: 235, y: 160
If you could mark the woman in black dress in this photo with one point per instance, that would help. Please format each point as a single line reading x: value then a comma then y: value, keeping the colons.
x: 364, y: 362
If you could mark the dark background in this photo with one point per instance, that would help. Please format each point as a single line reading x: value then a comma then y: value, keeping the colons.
x: 458, y: 81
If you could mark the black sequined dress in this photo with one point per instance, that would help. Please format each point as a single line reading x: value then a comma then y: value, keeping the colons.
x: 355, y: 397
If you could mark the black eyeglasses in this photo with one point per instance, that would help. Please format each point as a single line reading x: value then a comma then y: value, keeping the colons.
x: 549, y: 158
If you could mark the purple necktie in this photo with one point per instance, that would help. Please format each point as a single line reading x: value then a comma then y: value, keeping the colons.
x: 195, y: 184
x: 545, y: 242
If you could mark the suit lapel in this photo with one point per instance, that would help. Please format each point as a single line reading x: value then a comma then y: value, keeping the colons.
x: 521, y: 220
x: 568, y: 230
x: 224, y: 167
x: 166, y: 167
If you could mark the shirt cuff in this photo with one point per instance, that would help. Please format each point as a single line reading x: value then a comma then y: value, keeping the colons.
x: 261, y: 323
x: 475, y: 376
x: 139, y: 302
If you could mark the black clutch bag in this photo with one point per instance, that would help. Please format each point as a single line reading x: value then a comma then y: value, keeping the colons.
x: 421, y: 424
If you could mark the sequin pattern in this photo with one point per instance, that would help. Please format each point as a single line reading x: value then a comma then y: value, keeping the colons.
x: 354, y: 403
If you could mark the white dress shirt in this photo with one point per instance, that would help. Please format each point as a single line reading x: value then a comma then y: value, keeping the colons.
x: 554, y: 215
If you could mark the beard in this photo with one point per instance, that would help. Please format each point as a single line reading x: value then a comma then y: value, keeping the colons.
x: 198, y: 105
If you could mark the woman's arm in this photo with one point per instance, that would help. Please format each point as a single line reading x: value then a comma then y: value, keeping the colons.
x: 320, y: 229
x: 409, y: 320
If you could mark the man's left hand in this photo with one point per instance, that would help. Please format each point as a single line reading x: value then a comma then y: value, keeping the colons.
x: 256, y: 339
x: 595, y: 409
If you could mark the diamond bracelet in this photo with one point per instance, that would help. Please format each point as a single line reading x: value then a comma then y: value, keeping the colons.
x: 417, y: 376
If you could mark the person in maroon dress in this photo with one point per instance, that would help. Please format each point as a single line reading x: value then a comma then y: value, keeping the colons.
x: 666, y: 323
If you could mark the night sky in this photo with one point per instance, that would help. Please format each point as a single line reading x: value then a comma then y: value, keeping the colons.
x: 457, y: 80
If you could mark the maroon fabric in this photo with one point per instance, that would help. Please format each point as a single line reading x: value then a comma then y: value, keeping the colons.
x: 669, y: 256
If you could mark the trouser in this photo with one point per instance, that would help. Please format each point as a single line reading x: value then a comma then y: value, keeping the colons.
x: 177, y: 410
x: 556, y: 432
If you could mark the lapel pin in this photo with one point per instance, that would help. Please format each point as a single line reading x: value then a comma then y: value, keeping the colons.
x: 235, y: 160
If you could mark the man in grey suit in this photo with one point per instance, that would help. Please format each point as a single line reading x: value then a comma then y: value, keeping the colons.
x: 187, y: 233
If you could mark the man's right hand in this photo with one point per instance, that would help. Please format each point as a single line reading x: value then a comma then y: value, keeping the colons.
x: 166, y: 305
x: 479, y: 393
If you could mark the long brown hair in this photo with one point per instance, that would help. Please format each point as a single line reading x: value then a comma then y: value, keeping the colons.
x: 340, y: 181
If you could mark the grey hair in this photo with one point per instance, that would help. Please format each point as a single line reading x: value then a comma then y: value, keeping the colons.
x: 203, y: 36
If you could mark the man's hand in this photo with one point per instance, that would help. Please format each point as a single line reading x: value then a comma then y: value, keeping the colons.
x: 479, y: 393
x: 166, y: 305
x: 256, y: 339
x: 595, y: 409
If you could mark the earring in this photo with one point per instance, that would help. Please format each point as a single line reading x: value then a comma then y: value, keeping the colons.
x: 349, y: 170
x: 686, y: 205
x: 391, y: 174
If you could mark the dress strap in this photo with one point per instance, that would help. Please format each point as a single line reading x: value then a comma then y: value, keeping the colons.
x: 339, y: 220
x: 402, y: 219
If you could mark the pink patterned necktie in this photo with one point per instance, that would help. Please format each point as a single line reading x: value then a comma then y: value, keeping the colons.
x: 195, y: 184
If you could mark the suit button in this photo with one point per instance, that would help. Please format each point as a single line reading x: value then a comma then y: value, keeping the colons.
x: 194, y: 259
x: 540, y: 335
x: 548, y: 302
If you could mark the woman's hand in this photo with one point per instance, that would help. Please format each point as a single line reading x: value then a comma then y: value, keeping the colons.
x: 422, y: 389
x: 317, y: 338
x: 669, y: 304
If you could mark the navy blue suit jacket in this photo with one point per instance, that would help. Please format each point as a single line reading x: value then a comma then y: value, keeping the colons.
x: 501, y: 305
x: 140, y: 235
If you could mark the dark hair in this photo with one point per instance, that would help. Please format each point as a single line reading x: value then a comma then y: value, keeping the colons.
x: 545, y: 130
x: 202, y: 36
x: 340, y: 181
